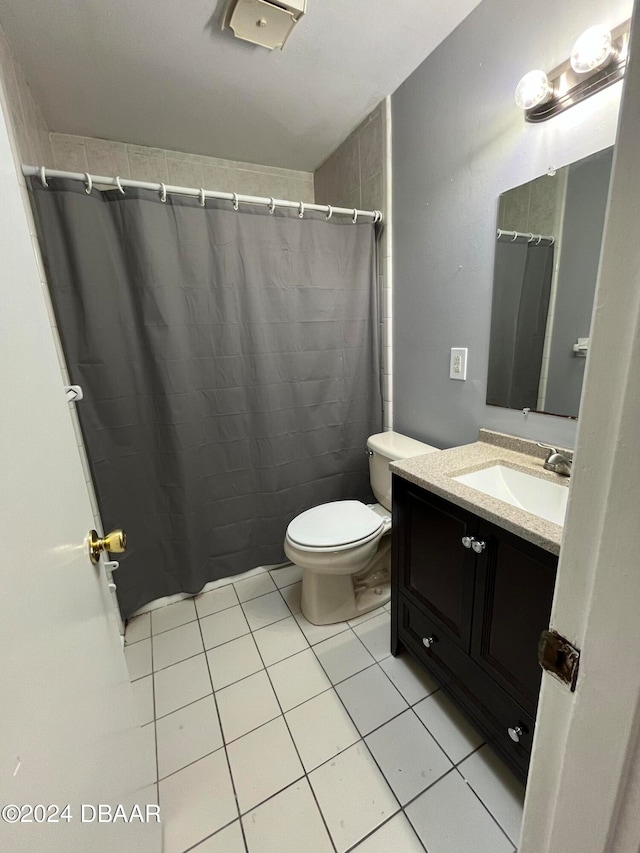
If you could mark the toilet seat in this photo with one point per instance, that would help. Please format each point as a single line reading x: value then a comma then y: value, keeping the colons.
x: 334, y: 526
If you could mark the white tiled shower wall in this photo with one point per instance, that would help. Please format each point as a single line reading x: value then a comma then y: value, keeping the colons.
x: 141, y: 163
x: 358, y: 174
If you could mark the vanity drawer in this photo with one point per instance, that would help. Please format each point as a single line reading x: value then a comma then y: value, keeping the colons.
x: 431, y: 644
x: 489, y: 706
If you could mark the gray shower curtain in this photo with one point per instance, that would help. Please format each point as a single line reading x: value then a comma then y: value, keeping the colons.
x: 521, y: 290
x: 229, y: 362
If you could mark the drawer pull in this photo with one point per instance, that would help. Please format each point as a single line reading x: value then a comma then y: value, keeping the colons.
x: 515, y: 733
x: 478, y: 546
x: 427, y: 642
x: 467, y: 541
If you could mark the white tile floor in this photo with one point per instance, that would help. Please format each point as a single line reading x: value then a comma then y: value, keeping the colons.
x: 273, y: 735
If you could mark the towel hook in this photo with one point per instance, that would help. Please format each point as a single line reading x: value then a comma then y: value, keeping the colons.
x: 301, y: 210
x: 163, y: 193
x: 272, y: 205
x: 235, y: 201
x: 202, y: 199
x: 43, y: 176
x: 89, y: 183
x: 355, y: 216
x: 329, y: 212
x: 119, y: 185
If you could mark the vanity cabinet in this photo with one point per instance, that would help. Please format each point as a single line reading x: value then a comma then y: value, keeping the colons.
x: 470, y: 600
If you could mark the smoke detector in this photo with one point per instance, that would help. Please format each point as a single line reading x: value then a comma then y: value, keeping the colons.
x: 264, y: 22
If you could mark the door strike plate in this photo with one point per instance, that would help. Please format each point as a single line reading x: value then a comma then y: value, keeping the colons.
x: 557, y: 656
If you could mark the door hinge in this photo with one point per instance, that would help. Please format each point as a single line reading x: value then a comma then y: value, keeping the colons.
x: 557, y: 656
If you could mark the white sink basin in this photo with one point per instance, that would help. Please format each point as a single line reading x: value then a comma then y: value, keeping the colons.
x: 540, y: 497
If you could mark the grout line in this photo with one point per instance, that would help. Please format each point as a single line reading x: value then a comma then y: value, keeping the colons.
x: 128, y: 645
x: 295, y: 746
x: 224, y: 744
x: 365, y: 744
x: 332, y: 686
x: 175, y: 663
x: 435, y: 782
x: 173, y: 628
x: 209, y: 837
x: 195, y: 761
x: 155, y: 729
x: 484, y: 806
x: 455, y: 763
x: 384, y: 823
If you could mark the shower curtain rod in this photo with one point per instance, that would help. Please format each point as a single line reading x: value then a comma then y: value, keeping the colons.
x: 531, y: 238
x: 168, y: 189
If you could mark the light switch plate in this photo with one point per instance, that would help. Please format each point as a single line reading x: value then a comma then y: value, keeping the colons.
x: 458, y: 363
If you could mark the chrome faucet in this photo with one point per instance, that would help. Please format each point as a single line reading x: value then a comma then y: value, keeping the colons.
x: 557, y: 461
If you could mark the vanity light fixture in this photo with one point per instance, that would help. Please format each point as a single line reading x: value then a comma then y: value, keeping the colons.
x: 598, y: 59
x: 593, y: 50
x: 534, y: 89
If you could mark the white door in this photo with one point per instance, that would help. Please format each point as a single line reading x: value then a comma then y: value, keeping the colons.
x: 68, y: 733
x: 583, y: 794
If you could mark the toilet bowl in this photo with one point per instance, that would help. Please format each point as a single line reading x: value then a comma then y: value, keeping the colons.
x: 344, y: 547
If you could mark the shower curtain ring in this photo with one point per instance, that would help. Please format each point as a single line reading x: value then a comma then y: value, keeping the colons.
x: 538, y: 240
x: 89, y: 183
x: 553, y: 240
x: 355, y: 216
x: 272, y: 205
x: 301, y: 210
x: 202, y: 199
x: 329, y: 212
x: 515, y: 237
x: 499, y: 233
x: 377, y: 216
x: 235, y: 201
x: 43, y: 176
x: 530, y: 240
x: 119, y: 185
x: 163, y: 193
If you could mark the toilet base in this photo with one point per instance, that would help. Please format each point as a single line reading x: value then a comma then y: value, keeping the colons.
x: 330, y: 598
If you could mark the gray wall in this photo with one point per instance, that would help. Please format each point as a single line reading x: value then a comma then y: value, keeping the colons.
x: 584, y: 212
x: 459, y: 141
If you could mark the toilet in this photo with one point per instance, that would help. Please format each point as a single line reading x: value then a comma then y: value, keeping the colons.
x: 344, y: 547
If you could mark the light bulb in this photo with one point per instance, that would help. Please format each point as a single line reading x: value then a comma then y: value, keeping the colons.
x: 592, y: 51
x: 534, y: 89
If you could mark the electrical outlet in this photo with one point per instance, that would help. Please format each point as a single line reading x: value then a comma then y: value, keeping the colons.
x: 458, y: 363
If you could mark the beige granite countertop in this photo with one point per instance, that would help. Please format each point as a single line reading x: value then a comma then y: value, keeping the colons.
x: 435, y: 472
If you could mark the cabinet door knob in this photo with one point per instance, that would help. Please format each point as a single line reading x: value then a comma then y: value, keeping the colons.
x: 515, y: 733
x: 467, y: 541
x: 428, y: 641
x: 478, y: 546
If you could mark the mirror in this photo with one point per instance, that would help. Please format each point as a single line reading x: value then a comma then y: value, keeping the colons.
x: 548, y: 243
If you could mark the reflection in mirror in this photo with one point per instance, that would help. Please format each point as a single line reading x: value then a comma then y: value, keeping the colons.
x: 546, y: 265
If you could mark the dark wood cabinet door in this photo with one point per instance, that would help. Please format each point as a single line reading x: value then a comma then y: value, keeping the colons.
x: 514, y: 592
x: 436, y: 570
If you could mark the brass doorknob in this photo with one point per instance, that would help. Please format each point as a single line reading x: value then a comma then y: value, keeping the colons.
x: 114, y: 542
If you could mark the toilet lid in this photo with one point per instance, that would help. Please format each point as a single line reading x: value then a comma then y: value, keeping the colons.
x: 333, y: 524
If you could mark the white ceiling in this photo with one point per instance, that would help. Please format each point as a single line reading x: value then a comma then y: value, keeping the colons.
x: 161, y: 72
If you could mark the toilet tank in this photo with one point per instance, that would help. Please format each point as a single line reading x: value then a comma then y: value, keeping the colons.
x: 386, y: 447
